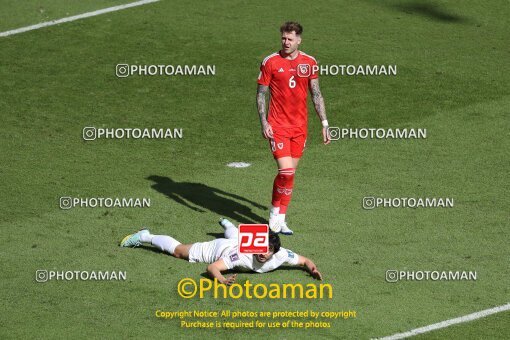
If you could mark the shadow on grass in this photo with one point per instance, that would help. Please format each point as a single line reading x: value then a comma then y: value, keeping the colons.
x: 216, y: 235
x: 201, y: 198
x: 154, y: 250
x: 429, y: 10
x: 424, y: 9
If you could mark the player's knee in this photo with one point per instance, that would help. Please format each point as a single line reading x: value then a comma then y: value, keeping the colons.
x: 286, y: 175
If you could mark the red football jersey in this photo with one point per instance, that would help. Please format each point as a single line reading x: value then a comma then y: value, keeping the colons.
x: 288, y: 81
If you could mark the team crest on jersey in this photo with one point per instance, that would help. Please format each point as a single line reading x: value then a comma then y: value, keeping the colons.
x: 304, y: 70
x: 280, y: 146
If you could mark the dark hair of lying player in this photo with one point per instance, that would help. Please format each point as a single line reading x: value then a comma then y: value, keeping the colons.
x: 274, y: 242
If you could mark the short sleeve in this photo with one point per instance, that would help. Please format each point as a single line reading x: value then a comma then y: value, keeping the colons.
x: 265, y: 74
x: 231, y: 259
x: 236, y: 260
x: 315, y: 69
x: 289, y: 257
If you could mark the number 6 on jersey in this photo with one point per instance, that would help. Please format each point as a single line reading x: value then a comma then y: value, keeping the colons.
x: 292, y: 82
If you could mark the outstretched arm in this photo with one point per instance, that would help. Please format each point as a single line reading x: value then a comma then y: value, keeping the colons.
x: 215, y: 269
x: 267, y: 131
x: 318, y: 102
x: 310, y: 266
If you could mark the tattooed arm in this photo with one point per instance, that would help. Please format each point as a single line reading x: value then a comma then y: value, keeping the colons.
x: 267, y: 131
x: 318, y: 102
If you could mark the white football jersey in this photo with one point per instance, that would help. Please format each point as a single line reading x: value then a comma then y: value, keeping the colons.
x: 209, y: 252
x: 234, y: 259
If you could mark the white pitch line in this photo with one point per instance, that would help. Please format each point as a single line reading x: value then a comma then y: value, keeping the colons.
x: 75, y: 17
x: 443, y: 324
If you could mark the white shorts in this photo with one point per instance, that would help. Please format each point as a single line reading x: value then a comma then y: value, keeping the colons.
x: 212, y: 251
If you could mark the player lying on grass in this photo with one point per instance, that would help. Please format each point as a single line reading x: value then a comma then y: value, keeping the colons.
x: 222, y: 254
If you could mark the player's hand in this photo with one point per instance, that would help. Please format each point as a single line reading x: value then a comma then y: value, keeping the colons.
x: 316, y: 274
x: 230, y: 280
x: 267, y: 131
x: 325, y: 136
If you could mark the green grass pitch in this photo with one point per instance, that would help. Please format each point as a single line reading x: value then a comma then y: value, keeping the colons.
x: 453, y: 76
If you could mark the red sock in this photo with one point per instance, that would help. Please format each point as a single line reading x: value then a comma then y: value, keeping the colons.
x: 285, y: 200
x: 282, y: 188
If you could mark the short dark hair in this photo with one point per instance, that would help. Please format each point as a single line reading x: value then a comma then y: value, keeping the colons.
x: 291, y: 26
x: 274, y: 242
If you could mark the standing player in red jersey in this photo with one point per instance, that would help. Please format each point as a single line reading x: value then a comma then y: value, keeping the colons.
x: 289, y: 74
